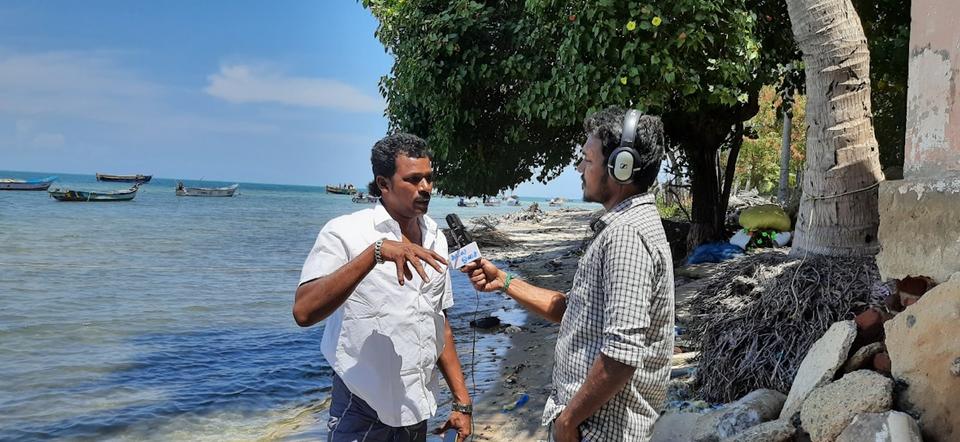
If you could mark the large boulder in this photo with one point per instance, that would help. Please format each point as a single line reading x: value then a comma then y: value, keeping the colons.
x: 820, y: 364
x: 830, y: 408
x: 780, y: 430
x: 675, y: 426
x: 734, y: 418
x: 924, y: 346
x: 753, y: 409
x: 892, y: 426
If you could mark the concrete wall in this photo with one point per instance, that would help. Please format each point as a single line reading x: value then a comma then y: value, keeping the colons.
x: 933, y: 94
x: 920, y: 215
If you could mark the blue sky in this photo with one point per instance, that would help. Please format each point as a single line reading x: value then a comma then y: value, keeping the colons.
x: 277, y: 92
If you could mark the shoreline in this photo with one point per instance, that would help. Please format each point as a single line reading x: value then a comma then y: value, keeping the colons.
x: 546, y: 254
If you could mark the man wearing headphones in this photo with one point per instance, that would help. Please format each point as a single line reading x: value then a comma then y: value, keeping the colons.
x: 616, y: 322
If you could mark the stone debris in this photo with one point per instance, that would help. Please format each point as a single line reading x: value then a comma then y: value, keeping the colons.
x: 820, y: 364
x: 863, y: 357
x: 924, y: 350
x: 830, y: 408
x: 892, y: 426
x: 727, y: 421
x: 780, y: 430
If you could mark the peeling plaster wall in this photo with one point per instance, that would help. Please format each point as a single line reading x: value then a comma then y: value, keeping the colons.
x: 933, y: 92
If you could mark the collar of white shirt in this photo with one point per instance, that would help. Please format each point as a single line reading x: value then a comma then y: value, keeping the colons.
x: 382, y: 220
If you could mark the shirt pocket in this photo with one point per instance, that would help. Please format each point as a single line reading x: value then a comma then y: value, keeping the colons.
x: 433, y: 290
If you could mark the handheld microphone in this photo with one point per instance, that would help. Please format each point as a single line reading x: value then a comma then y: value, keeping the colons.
x: 467, y: 250
x: 460, y: 234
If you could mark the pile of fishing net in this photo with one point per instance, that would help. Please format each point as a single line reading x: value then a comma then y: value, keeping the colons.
x: 757, y: 317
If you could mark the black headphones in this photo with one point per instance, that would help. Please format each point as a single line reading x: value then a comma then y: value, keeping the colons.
x: 623, y: 161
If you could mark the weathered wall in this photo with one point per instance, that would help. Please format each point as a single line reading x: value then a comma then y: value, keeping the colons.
x: 933, y: 106
x: 920, y: 215
x: 919, y: 228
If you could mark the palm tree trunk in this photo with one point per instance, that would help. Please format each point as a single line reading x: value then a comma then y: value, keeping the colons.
x: 838, y: 213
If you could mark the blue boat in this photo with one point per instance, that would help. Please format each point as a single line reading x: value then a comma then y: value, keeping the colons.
x: 35, y: 184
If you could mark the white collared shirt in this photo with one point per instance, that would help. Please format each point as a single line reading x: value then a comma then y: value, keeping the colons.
x: 384, y: 341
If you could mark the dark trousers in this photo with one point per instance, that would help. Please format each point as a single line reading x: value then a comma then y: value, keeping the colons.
x: 352, y: 420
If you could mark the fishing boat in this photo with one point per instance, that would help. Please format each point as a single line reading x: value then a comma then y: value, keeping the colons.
x: 365, y: 199
x: 491, y: 201
x: 91, y: 196
x: 341, y: 190
x: 466, y: 203
x: 36, y: 184
x: 512, y: 200
x: 206, y: 191
x: 557, y: 202
x: 124, y: 178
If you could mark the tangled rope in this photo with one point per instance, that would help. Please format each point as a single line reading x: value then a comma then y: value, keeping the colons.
x: 758, y: 316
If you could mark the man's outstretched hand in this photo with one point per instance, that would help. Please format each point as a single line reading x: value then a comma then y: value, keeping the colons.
x: 484, y: 276
x: 406, y: 255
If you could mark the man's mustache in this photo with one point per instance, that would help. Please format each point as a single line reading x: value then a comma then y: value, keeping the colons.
x: 422, y: 199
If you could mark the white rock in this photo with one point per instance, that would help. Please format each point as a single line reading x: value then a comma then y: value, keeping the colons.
x: 820, y: 364
x: 830, y: 408
x: 892, y: 426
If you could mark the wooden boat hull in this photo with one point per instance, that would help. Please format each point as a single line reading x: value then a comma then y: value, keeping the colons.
x: 124, y: 178
x: 67, y: 195
x: 41, y: 184
x: 341, y: 190
x: 221, y: 192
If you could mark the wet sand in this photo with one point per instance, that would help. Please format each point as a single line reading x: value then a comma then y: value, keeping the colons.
x: 545, y: 254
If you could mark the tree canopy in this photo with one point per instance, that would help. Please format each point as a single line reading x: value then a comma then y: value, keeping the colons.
x: 500, y: 88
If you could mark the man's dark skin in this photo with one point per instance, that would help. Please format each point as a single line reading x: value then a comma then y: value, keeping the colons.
x: 405, y: 196
x: 607, y: 376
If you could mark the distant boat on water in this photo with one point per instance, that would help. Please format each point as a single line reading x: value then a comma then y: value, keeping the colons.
x: 124, y: 178
x: 36, y: 184
x: 206, y: 191
x: 466, y: 203
x: 512, y: 200
x: 491, y: 201
x: 339, y: 190
x: 365, y: 199
x: 85, y: 196
x: 557, y: 202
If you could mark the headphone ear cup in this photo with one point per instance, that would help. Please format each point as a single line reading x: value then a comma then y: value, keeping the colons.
x: 621, y: 165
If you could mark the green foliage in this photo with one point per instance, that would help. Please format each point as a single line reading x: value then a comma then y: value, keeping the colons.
x: 500, y: 88
x: 759, y: 163
x: 886, y: 24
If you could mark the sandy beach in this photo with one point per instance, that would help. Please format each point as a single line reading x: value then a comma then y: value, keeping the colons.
x: 545, y: 253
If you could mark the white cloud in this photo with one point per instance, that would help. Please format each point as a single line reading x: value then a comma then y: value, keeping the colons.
x: 95, y: 86
x: 246, y: 84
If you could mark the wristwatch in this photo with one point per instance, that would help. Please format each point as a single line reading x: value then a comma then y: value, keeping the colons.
x: 462, y: 408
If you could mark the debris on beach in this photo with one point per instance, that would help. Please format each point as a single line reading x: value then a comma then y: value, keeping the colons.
x: 486, y: 322
x: 876, y: 373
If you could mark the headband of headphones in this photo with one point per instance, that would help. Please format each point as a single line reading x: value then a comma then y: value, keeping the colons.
x: 629, y: 133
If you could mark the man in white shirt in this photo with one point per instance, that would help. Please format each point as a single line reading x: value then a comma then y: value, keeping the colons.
x: 386, y: 334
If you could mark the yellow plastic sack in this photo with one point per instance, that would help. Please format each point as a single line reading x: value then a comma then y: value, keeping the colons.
x: 766, y: 217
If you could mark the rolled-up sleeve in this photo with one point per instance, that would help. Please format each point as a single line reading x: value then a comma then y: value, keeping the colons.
x: 328, y: 254
x: 628, y: 280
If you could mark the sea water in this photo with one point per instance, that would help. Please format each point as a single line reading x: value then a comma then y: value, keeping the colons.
x: 169, y: 318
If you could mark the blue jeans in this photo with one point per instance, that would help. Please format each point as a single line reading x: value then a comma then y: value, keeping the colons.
x: 352, y: 420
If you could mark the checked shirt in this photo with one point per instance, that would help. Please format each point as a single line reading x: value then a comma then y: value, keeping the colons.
x: 621, y: 305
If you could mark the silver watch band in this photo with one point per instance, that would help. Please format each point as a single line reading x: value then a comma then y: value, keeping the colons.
x: 377, y: 249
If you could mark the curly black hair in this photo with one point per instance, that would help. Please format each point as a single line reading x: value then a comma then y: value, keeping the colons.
x: 607, y: 126
x: 383, y: 156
